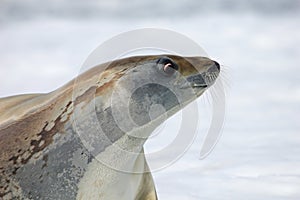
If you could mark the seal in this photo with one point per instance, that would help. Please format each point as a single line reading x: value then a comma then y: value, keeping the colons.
x: 52, y: 144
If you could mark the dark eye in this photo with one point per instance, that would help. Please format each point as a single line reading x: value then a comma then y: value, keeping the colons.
x: 167, y: 66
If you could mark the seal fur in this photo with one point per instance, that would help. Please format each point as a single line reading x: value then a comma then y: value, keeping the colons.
x: 42, y: 156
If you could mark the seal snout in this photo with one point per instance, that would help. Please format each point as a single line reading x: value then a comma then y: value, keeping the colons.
x: 217, y: 65
x: 214, y: 67
x: 206, y: 78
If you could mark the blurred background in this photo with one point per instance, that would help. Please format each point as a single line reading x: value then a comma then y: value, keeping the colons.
x: 44, y: 43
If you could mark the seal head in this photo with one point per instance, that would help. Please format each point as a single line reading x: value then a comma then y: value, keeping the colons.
x: 82, y: 140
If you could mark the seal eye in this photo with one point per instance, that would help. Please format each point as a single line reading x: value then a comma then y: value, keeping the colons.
x: 169, y: 69
x: 167, y: 66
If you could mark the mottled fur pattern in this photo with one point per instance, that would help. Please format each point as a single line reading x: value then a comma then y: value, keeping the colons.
x: 42, y: 155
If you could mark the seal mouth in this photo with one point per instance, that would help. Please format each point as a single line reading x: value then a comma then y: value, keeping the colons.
x: 204, y: 79
x: 198, y: 85
x: 199, y: 80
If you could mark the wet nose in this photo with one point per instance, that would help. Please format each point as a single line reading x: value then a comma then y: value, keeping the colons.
x: 217, y: 64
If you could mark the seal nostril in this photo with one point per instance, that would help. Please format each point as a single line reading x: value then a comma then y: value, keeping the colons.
x: 217, y: 64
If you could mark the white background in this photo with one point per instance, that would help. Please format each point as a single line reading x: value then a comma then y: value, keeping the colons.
x: 42, y: 46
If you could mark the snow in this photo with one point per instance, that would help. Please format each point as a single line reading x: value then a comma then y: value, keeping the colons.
x: 257, y: 156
